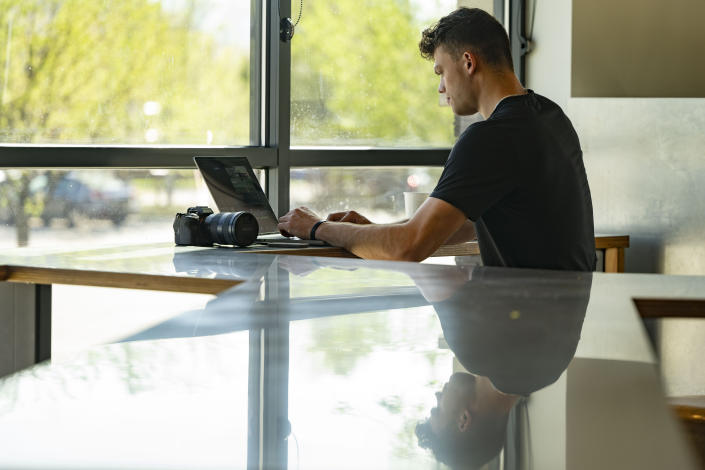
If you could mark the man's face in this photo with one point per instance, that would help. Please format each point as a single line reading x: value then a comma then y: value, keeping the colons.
x: 456, y: 395
x: 456, y: 81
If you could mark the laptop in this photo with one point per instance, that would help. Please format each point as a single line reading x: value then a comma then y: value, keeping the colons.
x: 234, y: 187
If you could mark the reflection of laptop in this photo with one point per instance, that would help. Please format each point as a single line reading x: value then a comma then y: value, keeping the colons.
x: 234, y: 187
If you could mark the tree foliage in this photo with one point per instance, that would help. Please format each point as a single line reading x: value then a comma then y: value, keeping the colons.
x: 358, y: 77
x: 81, y: 71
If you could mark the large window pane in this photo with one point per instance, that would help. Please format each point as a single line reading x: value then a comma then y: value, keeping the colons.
x: 125, y: 71
x: 358, y: 78
x: 376, y: 192
x: 67, y: 209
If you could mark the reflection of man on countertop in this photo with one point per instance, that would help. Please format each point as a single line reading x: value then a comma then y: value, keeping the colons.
x: 514, y: 181
x: 511, y: 344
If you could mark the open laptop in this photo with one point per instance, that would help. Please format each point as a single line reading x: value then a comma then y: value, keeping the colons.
x: 234, y: 187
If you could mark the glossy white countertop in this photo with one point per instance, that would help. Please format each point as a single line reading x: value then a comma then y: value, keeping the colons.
x: 348, y: 354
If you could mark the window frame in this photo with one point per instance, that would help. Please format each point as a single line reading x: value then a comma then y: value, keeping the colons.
x: 270, y: 95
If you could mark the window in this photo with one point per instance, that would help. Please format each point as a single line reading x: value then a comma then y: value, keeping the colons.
x: 152, y: 83
x: 49, y: 208
x: 377, y: 193
x: 140, y: 72
x: 357, y: 77
x: 361, y: 95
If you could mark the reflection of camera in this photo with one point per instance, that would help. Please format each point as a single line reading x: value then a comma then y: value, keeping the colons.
x: 199, y: 226
x: 214, y: 264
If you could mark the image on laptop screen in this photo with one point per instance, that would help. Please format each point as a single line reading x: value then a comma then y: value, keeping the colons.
x: 234, y: 188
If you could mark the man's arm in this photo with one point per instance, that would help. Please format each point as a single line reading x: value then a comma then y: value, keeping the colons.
x: 465, y: 233
x: 414, y: 240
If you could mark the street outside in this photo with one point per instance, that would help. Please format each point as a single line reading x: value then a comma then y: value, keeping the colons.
x: 93, y: 233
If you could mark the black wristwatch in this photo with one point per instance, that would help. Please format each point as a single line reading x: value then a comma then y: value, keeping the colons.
x: 314, y: 228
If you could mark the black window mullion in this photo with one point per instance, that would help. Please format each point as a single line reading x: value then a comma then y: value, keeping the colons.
x: 517, y: 36
x: 47, y: 156
x: 329, y: 157
x: 278, y: 75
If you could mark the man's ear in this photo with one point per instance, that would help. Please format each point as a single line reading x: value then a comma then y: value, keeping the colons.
x: 470, y: 62
x: 464, y: 420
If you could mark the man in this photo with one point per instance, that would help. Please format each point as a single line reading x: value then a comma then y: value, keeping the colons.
x: 518, y: 175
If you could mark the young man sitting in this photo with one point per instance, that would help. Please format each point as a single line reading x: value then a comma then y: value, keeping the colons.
x: 516, y: 180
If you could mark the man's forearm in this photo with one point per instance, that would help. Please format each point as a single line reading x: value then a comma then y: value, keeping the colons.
x: 376, y: 241
x: 414, y: 240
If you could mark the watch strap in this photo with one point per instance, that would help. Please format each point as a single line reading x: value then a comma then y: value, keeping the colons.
x: 314, y: 228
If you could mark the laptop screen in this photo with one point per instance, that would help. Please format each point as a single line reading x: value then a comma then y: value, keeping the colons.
x: 234, y: 187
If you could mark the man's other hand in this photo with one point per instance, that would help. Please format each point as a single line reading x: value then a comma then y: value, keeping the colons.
x: 348, y: 216
x: 298, y: 223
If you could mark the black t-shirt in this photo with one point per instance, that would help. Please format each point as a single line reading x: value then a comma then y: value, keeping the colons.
x: 519, y: 175
x: 521, y: 342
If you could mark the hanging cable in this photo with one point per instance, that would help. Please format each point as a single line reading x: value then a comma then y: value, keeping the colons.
x: 301, y: 11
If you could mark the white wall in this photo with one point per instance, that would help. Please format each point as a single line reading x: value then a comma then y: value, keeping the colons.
x: 645, y: 157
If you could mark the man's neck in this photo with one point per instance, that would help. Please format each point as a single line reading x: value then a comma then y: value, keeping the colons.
x: 491, y: 397
x: 497, y: 87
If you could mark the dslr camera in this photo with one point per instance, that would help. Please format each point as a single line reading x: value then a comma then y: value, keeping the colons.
x: 199, y: 226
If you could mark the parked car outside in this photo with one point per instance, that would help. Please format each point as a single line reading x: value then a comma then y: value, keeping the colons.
x: 80, y: 195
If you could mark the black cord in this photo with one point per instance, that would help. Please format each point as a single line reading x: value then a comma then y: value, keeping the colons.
x: 301, y: 11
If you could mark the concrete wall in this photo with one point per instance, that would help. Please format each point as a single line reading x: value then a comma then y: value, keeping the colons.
x: 645, y: 157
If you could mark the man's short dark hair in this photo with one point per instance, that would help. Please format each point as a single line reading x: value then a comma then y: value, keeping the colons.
x: 469, y: 450
x: 469, y: 29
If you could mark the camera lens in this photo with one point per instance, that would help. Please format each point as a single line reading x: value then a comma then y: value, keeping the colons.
x: 233, y: 228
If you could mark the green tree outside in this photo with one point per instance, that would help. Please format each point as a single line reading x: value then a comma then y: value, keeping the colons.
x: 358, y: 78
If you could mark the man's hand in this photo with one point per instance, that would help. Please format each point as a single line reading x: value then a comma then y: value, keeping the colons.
x: 348, y: 216
x: 298, y: 223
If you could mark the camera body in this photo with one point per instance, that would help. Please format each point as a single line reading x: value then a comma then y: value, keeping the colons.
x: 199, y: 226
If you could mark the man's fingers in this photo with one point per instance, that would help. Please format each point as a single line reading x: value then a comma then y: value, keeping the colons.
x: 336, y: 216
x: 282, y: 225
x: 345, y: 216
x: 283, y: 231
x: 349, y: 216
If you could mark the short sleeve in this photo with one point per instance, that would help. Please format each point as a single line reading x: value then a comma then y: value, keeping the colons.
x: 479, y: 172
